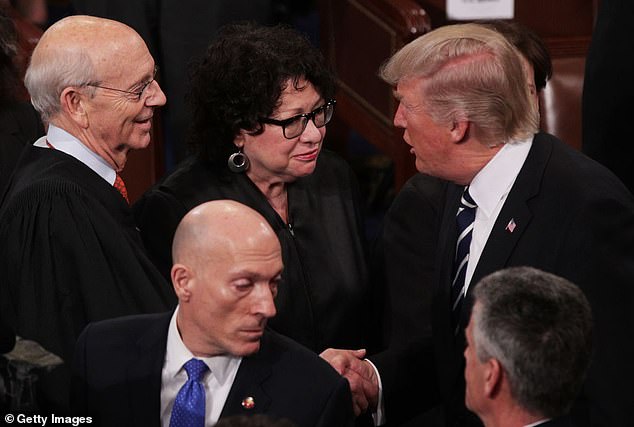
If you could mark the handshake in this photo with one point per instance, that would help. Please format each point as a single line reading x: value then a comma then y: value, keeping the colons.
x: 360, y: 373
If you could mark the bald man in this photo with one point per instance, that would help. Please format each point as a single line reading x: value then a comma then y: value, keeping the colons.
x: 227, y: 266
x: 70, y: 252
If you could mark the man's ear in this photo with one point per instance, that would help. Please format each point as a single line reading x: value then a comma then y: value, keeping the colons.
x: 493, y: 377
x: 459, y: 130
x: 72, y: 102
x: 182, y: 281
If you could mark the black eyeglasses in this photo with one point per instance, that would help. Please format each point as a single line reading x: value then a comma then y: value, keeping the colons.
x: 295, y: 126
x: 137, y: 94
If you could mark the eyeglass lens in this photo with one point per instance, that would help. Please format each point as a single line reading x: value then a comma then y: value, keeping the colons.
x: 320, y: 117
x: 147, y: 84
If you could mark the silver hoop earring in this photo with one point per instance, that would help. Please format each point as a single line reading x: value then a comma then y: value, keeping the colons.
x: 238, y: 162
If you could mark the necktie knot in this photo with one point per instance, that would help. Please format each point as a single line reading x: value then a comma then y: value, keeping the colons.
x: 466, y: 201
x: 196, y: 369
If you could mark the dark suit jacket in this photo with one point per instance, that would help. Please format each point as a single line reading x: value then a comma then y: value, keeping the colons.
x: 117, y: 377
x: 573, y: 218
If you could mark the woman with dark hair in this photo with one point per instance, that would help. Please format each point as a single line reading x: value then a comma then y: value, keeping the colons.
x: 261, y: 98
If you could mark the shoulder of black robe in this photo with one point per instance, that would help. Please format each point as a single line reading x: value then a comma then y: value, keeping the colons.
x: 72, y: 253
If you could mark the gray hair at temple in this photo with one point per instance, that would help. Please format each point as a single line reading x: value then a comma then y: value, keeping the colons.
x: 539, y: 327
x: 55, y: 69
x: 470, y: 73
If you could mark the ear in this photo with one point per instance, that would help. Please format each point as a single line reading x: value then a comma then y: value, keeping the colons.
x: 182, y: 281
x: 493, y: 376
x: 459, y: 130
x: 72, y: 103
x: 239, y: 140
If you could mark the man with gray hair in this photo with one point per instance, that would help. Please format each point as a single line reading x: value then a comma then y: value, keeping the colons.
x: 70, y: 252
x: 529, y: 344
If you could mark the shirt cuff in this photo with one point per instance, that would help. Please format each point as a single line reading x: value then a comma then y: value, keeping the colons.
x: 379, y: 416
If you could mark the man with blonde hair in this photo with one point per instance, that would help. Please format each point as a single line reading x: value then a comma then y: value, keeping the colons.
x: 508, y: 195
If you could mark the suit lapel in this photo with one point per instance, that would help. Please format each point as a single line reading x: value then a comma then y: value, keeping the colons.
x: 515, y: 215
x: 247, y: 395
x: 144, y: 374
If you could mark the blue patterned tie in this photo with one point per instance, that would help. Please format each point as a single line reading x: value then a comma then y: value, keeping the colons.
x: 189, y: 406
x: 464, y: 221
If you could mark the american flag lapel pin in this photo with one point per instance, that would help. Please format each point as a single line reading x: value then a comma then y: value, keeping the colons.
x: 510, y: 227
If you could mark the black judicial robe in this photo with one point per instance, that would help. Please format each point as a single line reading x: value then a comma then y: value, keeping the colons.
x: 324, y: 298
x: 70, y: 254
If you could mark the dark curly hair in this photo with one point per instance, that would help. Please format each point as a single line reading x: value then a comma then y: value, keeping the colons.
x: 529, y: 44
x: 240, y: 79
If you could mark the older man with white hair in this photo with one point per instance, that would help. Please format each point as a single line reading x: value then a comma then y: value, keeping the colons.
x: 71, y: 253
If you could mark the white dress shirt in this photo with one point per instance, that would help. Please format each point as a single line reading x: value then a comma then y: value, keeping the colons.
x: 67, y: 143
x: 489, y: 189
x: 217, y: 381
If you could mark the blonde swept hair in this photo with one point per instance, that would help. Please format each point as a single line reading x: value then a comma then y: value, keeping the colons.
x: 469, y: 73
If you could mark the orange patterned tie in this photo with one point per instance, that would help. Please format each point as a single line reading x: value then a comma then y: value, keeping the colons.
x: 120, y: 186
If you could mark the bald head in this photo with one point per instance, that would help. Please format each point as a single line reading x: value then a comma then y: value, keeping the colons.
x: 75, y: 51
x: 217, y: 228
x: 90, y: 34
x: 227, y: 266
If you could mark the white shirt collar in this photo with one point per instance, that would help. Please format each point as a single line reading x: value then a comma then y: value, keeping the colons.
x: 67, y: 143
x: 489, y: 189
x: 177, y: 354
x: 538, y: 422
x: 495, y: 180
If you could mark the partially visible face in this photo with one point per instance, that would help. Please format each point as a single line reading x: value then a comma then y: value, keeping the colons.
x: 474, y: 371
x: 119, y: 122
x: 277, y: 159
x: 436, y: 154
x: 529, y: 72
x: 232, y: 296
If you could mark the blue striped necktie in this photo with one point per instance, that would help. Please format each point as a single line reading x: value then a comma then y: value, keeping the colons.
x: 189, y: 406
x: 464, y: 221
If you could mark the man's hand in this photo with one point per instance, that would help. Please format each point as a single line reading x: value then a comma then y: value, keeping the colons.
x: 360, y: 374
